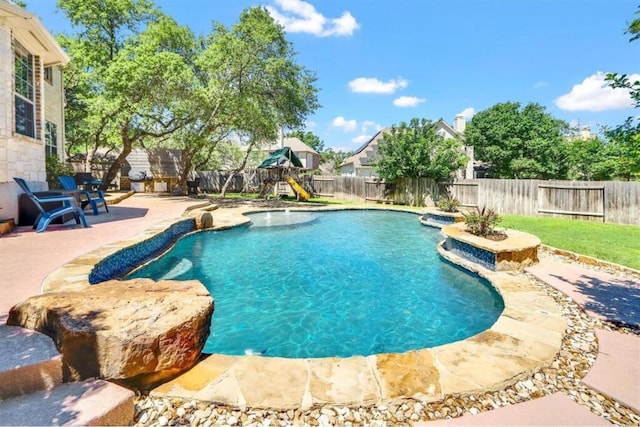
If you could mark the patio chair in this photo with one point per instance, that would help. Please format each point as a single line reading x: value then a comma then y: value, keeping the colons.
x: 69, y: 205
x: 192, y: 186
x: 93, y: 196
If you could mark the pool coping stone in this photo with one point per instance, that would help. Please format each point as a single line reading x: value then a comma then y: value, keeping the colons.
x: 526, y: 337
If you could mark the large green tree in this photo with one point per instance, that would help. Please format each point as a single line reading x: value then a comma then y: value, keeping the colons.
x: 525, y: 143
x: 624, y: 140
x: 623, y: 149
x: 588, y: 160
x: 414, y: 150
x: 332, y: 159
x: 148, y: 87
x: 251, y: 72
x: 140, y: 79
x: 622, y: 80
x: 127, y: 76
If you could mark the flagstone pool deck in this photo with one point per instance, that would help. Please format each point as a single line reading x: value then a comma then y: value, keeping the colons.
x: 527, y: 335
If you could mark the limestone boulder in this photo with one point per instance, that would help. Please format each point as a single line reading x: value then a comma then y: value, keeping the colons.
x: 136, y: 332
x: 204, y: 220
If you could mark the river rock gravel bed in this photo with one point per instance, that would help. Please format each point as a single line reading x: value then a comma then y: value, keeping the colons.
x: 574, y: 360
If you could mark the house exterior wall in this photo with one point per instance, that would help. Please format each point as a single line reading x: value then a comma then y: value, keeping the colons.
x: 348, y: 170
x: 21, y: 155
x: 367, y: 172
x: 54, y: 107
x: 308, y: 160
x: 315, y: 161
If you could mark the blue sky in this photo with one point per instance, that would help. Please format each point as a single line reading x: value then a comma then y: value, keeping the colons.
x: 382, y: 62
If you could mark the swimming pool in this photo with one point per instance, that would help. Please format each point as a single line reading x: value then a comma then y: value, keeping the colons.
x: 330, y: 284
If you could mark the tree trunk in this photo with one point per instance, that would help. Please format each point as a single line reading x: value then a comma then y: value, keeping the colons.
x: 241, y: 168
x: 127, y: 145
x: 187, y: 163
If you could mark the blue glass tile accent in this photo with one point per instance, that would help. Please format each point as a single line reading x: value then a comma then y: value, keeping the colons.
x: 440, y: 219
x: 117, y: 264
x: 464, y: 250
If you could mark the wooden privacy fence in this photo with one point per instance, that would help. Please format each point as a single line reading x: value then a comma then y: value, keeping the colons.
x: 571, y: 200
x: 248, y: 181
x: 610, y: 201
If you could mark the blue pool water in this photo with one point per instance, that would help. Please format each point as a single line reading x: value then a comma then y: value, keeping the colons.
x: 330, y: 284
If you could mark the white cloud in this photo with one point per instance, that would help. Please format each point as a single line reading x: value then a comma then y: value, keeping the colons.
x: 344, y: 124
x: 297, y: 16
x: 369, y: 124
x: 468, y: 113
x: 310, y: 124
x: 408, y: 101
x: 540, y: 85
x: 594, y: 94
x: 343, y: 26
x: 373, y: 85
x: 361, y: 139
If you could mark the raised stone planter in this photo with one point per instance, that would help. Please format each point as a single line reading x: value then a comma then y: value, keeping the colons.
x: 517, y: 251
x: 436, y: 218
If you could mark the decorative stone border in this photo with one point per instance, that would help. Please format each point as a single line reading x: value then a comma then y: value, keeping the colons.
x: 112, y: 261
x: 525, y: 337
x: 436, y: 218
x: 517, y: 251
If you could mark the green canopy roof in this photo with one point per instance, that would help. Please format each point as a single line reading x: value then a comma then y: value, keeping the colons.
x: 280, y: 158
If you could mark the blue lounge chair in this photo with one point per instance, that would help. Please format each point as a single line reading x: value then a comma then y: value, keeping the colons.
x: 93, y: 196
x: 46, y: 216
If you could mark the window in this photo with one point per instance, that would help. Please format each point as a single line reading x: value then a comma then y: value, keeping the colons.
x: 51, y: 138
x: 24, y: 92
x: 48, y: 75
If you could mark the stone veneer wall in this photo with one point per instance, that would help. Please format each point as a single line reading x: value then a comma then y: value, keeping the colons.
x: 119, y: 263
x: 8, y: 198
x: 6, y: 93
x: 517, y: 251
x: 20, y: 155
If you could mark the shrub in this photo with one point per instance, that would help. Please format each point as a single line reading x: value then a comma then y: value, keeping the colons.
x: 449, y: 204
x: 482, y: 222
x: 56, y: 168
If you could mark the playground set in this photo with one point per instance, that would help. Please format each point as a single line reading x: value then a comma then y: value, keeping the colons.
x: 283, y: 167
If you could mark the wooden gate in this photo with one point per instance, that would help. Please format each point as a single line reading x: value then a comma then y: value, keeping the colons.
x: 573, y: 201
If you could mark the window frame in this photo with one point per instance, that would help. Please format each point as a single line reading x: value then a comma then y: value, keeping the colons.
x: 25, y: 103
x: 48, y: 75
x: 50, y: 138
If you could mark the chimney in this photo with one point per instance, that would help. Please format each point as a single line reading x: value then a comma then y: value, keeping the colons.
x: 280, y: 138
x: 459, y: 123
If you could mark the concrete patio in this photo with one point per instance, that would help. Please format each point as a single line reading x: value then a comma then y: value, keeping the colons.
x: 27, y: 259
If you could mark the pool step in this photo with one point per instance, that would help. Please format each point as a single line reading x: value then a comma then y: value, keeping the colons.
x: 88, y: 403
x: 32, y: 392
x: 29, y: 362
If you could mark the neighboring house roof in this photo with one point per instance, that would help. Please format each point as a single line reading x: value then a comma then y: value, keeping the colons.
x: 363, y: 156
x: 294, y: 143
x: 30, y: 32
x: 284, y: 157
x: 156, y: 162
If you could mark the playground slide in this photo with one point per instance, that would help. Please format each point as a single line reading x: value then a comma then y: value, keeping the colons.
x: 297, y: 188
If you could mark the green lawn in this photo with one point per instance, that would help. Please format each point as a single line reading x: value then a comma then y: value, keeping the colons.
x: 610, y: 242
